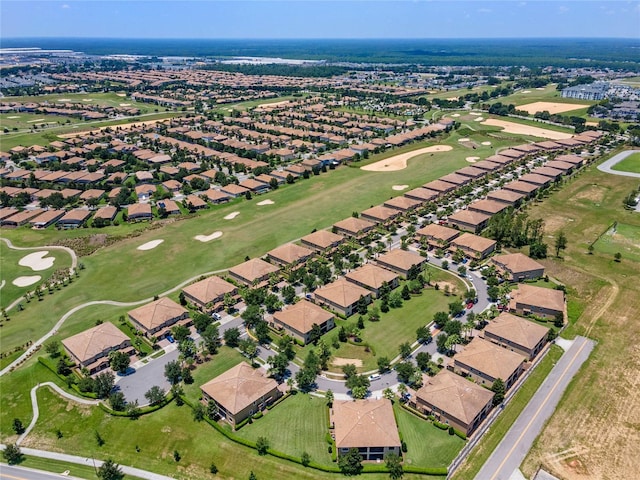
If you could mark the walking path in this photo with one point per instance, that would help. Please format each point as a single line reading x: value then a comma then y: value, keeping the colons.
x: 515, y: 445
x: 606, y: 167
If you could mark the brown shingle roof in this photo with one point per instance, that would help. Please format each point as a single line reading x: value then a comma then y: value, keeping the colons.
x: 490, y: 359
x: 473, y: 242
x: 155, y: 314
x: 517, y: 330
x: 539, y: 297
x: 323, y: 238
x: 354, y: 225
x: 517, y: 262
x: 371, y: 276
x: 239, y: 387
x: 290, y: 253
x: 253, y: 269
x: 365, y: 423
x: 302, y: 316
x: 455, y: 395
x: 439, y: 232
x: 402, y: 259
x: 209, y: 289
x: 86, y: 345
x: 342, y: 292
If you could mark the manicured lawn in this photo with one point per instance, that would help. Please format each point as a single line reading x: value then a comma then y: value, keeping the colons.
x: 427, y: 445
x: 87, y: 472
x: 496, y: 432
x: 11, y: 270
x: 629, y: 164
x: 297, y: 425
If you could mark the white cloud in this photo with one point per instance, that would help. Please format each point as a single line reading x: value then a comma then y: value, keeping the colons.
x: 65, y: 6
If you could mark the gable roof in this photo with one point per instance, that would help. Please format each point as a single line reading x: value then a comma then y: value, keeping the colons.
x: 539, y: 297
x: 517, y: 330
x: 365, y: 423
x: 157, y: 313
x: 490, y: 359
x: 302, y: 315
x: 290, y: 253
x: 354, y: 225
x: 253, y: 269
x: 473, y: 242
x: 455, y: 395
x: 209, y: 289
x: 517, y: 262
x: 86, y: 345
x: 323, y: 238
x: 239, y: 387
x: 439, y: 232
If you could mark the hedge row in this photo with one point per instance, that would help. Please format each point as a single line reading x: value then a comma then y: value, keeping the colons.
x: 142, y: 411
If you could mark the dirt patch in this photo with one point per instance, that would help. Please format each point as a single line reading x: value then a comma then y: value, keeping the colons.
x: 551, y: 107
x: 594, y: 193
x: 521, y: 129
x: 442, y: 285
x: 399, y: 162
x: 339, y: 362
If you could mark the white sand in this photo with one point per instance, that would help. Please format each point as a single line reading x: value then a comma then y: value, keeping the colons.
x: 551, y: 107
x: 37, y: 261
x: 540, y: 88
x: 486, y: 143
x: 125, y: 104
x: 121, y: 94
x: 208, y: 238
x: 475, y: 114
x: 274, y: 104
x: 64, y: 99
x: 472, y: 159
x: 265, y: 202
x: 232, y: 215
x: 150, y: 245
x: 36, y: 120
x: 399, y: 162
x: 463, y: 139
x: 479, y: 119
x: 527, y: 91
x: 400, y: 187
x: 455, y: 114
x: 87, y: 99
x: 13, y: 117
x: 521, y: 129
x: 26, y: 281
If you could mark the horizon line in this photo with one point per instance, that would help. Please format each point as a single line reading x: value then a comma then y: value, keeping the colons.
x: 313, y: 38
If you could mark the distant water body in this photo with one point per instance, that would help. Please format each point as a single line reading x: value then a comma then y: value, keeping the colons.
x: 530, y: 52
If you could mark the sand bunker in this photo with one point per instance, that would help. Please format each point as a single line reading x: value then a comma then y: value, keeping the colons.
x: 87, y: 99
x: 37, y: 261
x: 208, y: 238
x: 125, y: 104
x: 540, y: 88
x: 36, y: 120
x: 472, y: 159
x: 455, y: 114
x: 479, y: 119
x: 487, y: 143
x: 232, y: 215
x: 150, y: 245
x: 527, y: 91
x: 121, y: 94
x: 399, y: 162
x: 551, y: 107
x: 26, y: 281
x: 13, y: 117
x: 475, y: 114
x: 266, y: 202
x: 400, y: 187
x: 520, y: 129
x: 464, y: 139
x: 338, y: 362
x: 273, y: 104
x: 64, y: 99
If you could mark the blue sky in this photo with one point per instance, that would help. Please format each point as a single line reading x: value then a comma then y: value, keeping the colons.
x: 320, y: 19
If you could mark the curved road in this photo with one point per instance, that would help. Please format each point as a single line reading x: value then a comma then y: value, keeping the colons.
x: 607, y: 166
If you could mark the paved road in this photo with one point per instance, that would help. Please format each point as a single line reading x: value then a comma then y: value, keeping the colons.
x: 606, y: 166
x: 22, y: 473
x: 511, y: 451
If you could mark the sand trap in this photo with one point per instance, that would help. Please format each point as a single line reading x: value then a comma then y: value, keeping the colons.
x: 455, y: 114
x: 64, y: 99
x: 125, y: 104
x: 266, y: 202
x: 487, y: 143
x: 13, y: 117
x: 527, y: 91
x: 551, y: 107
x: 123, y: 126
x: 37, y: 261
x: 520, y: 129
x: 479, y: 119
x: 338, y: 362
x: 87, y: 99
x: 208, y: 238
x: 121, y: 94
x: 26, y: 281
x: 540, y: 88
x: 232, y: 215
x: 475, y: 114
x: 472, y: 159
x: 36, y: 120
x: 400, y: 187
x: 273, y: 104
x: 399, y: 162
x: 150, y: 245
x: 464, y: 139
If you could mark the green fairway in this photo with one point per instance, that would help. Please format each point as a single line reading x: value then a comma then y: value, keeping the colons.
x: 98, y: 99
x: 297, y: 425
x: 629, y: 164
x: 23, y: 121
x: 427, y: 445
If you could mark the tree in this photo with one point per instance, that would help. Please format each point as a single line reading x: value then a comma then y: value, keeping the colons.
x: 423, y: 335
x: 423, y: 359
x: 558, y: 320
x: 173, y: 372
x: 18, y: 427
x: 12, y: 454
x: 199, y: 412
x: 462, y: 270
x: 119, y: 361
x: 262, y: 445
x: 249, y: 348
x: 498, y: 388
x: 155, y: 395
x: 404, y: 371
x: 361, y: 306
x: 329, y: 397
x: 394, y: 465
x: 52, y: 348
x: 406, y: 295
x: 538, y: 250
x: 405, y: 350
x: 350, y: 463
x: 441, y: 341
x: 201, y: 321
x: 383, y: 364
x: 262, y: 332
x: 62, y: 367
x: 456, y: 308
x: 278, y: 365
x: 117, y: 401
x: 305, y: 459
x: 180, y: 333
x: 315, y: 334
x: 358, y: 381
x: 252, y: 476
x: 440, y: 318
x: 561, y: 242
x: 232, y: 337
x: 493, y: 293
x: 288, y: 294
x: 617, y: 257
x: 211, y: 338
x: 103, y: 384
x: 213, y: 468
x: 251, y: 316
x: 349, y: 370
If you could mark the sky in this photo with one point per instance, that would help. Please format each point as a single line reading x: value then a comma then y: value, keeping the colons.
x: 320, y: 19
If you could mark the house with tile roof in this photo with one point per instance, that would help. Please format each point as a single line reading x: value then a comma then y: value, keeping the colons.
x: 155, y: 319
x: 298, y: 320
x: 90, y: 349
x: 516, y: 334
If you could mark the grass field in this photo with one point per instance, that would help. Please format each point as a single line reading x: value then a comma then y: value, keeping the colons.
x: 594, y: 433
x: 629, y: 164
x: 427, y: 445
x: 11, y: 270
x: 87, y: 472
x: 479, y: 455
x: 98, y: 99
x: 625, y: 239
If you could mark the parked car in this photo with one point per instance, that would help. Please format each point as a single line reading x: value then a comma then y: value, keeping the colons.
x: 216, y: 316
x: 374, y: 377
x: 171, y: 339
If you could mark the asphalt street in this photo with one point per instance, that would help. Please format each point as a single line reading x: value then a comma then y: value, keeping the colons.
x: 607, y: 166
x: 21, y: 473
x: 511, y: 451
